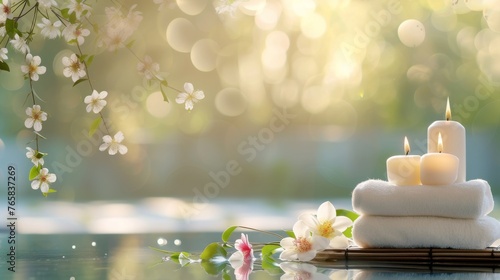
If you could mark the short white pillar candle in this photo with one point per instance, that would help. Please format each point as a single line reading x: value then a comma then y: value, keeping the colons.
x: 404, y: 170
x: 439, y: 168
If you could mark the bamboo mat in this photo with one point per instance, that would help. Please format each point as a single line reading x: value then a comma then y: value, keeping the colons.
x: 418, y: 259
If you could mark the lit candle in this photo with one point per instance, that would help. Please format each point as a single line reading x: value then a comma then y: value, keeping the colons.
x: 453, y: 134
x: 439, y: 168
x: 404, y: 170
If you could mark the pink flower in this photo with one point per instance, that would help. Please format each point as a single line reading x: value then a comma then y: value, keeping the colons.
x: 244, y: 247
x: 242, y: 260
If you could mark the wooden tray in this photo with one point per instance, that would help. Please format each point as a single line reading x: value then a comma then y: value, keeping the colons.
x: 421, y: 259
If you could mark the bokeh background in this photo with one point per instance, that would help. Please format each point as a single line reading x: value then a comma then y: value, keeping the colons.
x: 304, y: 100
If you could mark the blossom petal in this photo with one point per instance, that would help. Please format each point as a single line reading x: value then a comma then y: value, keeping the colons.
x: 28, y: 123
x: 287, y: 242
x: 188, y: 87
x: 122, y: 149
x: 107, y: 139
x: 35, y: 184
x: 326, y: 211
x: 37, y: 126
x: 320, y: 242
x: 309, y: 220
x: 342, y: 223
x: 339, y: 242
x: 306, y: 256
x: 289, y: 255
x: 199, y: 94
x: 119, y: 137
x: 103, y: 147
x: 44, y: 187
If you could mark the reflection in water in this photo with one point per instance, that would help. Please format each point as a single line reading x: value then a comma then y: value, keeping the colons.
x: 117, y: 257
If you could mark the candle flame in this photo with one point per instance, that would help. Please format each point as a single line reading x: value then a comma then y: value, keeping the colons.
x: 406, y: 146
x: 448, y: 110
x: 440, y: 143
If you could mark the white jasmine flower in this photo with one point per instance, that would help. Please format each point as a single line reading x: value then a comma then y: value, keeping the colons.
x: 79, y: 8
x: 43, y: 180
x: 32, y: 67
x: 34, y: 156
x: 190, y: 96
x: 5, y: 10
x: 20, y: 44
x: 48, y: 29
x: 148, y: 68
x: 304, y: 246
x: 3, y: 54
x: 35, y: 117
x: 114, y: 144
x: 326, y: 223
x: 95, y: 102
x: 73, y: 68
x: 47, y: 4
x: 75, y: 32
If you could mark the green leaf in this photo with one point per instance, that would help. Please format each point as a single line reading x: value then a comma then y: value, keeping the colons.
x: 165, y: 98
x: 94, y: 126
x: 11, y: 27
x: 270, y: 249
x: 269, y: 265
x: 34, y: 171
x: 213, y: 250
x: 226, y: 276
x: 79, y: 81
x: 65, y: 13
x: 40, y: 155
x: 164, y: 251
x: 213, y: 268
x: 348, y: 232
x: 180, y: 255
x: 90, y: 59
x: 4, y: 66
x: 227, y: 233
x: 290, y: 233
x: 347, y: 213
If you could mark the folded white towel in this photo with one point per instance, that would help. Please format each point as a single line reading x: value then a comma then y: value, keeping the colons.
x: 425, y: 232
x: 469, y: 200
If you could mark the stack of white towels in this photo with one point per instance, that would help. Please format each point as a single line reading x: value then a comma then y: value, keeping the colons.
x: 452, y: 216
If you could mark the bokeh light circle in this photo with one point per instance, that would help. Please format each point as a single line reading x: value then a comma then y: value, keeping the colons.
x: 411, y: 33
x: 181, y: 35
x: 230, y: 102
x: 191, y: 7
x: 313, y: 26
x: 204, y: 55
x: 156, y: 106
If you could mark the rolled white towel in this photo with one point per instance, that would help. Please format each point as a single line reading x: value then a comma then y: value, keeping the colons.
x: 425, y: 232
x: 469, y: 200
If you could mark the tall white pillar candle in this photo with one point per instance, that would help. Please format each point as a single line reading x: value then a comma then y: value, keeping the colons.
x: 453, y: 134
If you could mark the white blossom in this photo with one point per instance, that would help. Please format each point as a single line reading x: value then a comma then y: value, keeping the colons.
x: 32, y: 67
x: 75, y: 32
x: 50, y: 29
x: 20, y: 44
x: 79, y: 8
x: 190, y: 96
x: 114, y: 144
x: 33, y: 155
x: 95, y: 102
x: 73, y: 68
x: 148, y: 68
x: 43, y: 180
x: 35, y: 117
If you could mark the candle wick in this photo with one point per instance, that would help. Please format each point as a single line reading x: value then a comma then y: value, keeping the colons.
x: 407, y: 152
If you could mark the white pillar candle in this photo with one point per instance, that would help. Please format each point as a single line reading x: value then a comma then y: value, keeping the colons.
x: 404, y: 170
x: 453, y: 135
x: 439, y: 168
